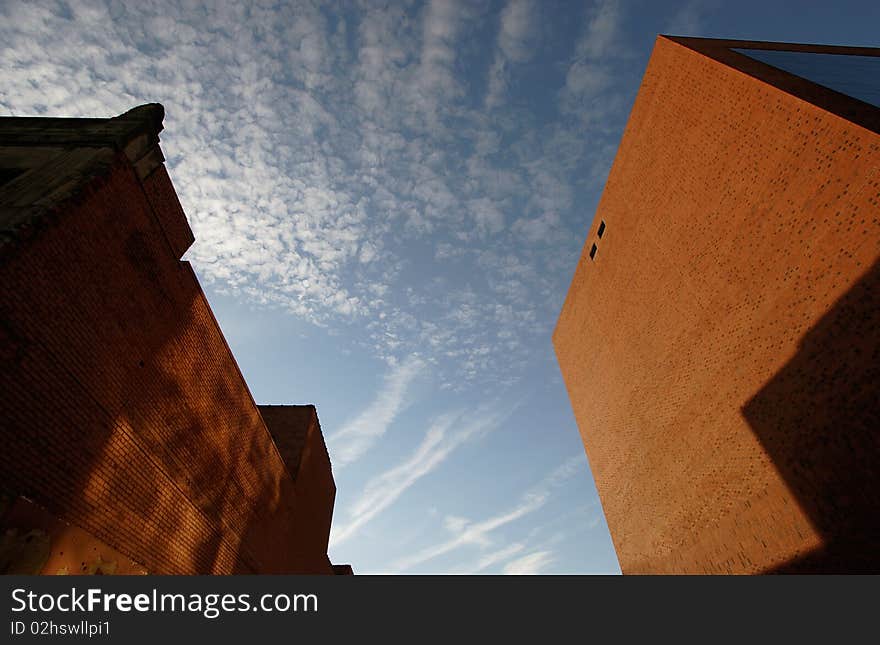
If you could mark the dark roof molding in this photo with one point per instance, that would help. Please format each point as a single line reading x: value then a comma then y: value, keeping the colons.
x: 118, y: 132
x: 45, y: 161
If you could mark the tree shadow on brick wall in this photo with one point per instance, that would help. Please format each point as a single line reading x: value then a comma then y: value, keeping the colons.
x: 234, y: 508
x: 124, y: 412
x: 819, y: 420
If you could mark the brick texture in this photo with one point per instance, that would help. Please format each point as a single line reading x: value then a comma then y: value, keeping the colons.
x: 123, y: 410
x: 297, y: 433
x: 720, y: 351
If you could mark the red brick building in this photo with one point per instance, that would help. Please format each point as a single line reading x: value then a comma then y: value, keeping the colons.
x: 719, y: 341
x: 130, y: 441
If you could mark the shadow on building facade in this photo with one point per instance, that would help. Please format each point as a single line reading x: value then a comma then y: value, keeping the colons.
x: 819, y: 420
x: 124, y: 413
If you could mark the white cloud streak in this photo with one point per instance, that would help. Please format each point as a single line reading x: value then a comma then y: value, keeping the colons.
x: 529, y: 565
x: 479, y: 532
x: 495, y: 557
x: 516, y: 43
x: 445, y: 435
x: 590, y: 72
x: 690, y: 18
x: 359, y: 434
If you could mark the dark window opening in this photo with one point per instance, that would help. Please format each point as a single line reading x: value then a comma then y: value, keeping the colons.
x: 593, y: 252
x: 601, y: 228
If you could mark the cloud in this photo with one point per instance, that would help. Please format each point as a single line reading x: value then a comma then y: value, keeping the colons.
x: 516, y: 42
x: 690, y: 18
x: 455, y: 524
x: 476, y: 533
x: 479, y: 533
x: 591, y: 71
x: 446, y: 434
x: 531, y: 564
x: 518, y: 34
x: 493, y: 558
x: 323, y: 154
x: 358, y: 435
x: 601, y: 32
x: 442, y: 22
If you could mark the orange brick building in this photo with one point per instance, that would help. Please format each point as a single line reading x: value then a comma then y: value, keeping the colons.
x: 130, y: 441
x: 719, y: 341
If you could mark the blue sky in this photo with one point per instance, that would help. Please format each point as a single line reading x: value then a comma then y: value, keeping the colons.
x: 389, y: 200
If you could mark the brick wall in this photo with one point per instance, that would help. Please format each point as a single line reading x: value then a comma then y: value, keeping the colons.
x: 33, y: 541
x: 721, y: 349
x: 123, y: 410
x: 297, y: 434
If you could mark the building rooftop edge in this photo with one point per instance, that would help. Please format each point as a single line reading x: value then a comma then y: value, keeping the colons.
x: 851, y: 50
x: 293, y: 468
x: 115, y: 131
x: 47, y: 161
x: 845, y: 106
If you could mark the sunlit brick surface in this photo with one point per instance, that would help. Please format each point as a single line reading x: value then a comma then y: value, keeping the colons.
x: 721, y: 349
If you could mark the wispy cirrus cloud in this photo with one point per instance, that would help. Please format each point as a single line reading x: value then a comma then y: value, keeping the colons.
x: 529, y: 565
x: 479, y: 533
x: 359, y: 434
x: 495, y: 557
x: 690, y: 19
x: 445, y: 435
